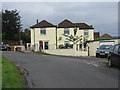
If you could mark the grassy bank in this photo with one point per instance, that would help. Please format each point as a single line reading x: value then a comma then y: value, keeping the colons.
x: 11, y: 77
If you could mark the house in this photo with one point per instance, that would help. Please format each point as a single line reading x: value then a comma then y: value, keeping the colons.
x: 105, y: 36
x: 96, y: 35
x: 45, y: 35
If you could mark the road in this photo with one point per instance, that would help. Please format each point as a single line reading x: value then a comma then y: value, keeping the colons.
x: 46, y: 71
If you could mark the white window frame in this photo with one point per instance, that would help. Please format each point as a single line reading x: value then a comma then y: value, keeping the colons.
x: 42, y: 29
x: 44, y: 45
x: 66, y: 29
x: 86, y: 31
x: 66, y: 42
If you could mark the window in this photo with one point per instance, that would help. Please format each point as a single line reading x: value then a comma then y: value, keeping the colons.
x: 119, y: 49
x: 66, y: 30
x: 86, y: 32
x: 46, y: 45
x: 116, y: 48
x: 66, y: 43
x: 43, y: 31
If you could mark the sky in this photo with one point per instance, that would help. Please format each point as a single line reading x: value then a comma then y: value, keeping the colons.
x: 102, y: 15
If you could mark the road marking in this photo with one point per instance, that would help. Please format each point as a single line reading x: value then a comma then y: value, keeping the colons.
x: 91, y: 63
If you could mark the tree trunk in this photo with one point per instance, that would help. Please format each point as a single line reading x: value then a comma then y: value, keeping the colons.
x: 74, y: 46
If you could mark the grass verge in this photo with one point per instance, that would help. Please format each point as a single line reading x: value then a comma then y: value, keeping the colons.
x: 11, y: 77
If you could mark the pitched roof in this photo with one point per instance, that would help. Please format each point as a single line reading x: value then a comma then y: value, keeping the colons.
x: 96, y: 32
x: 43, y: 24
x: 106, y: 35
x: 83, y: 26
x: 66, y: 24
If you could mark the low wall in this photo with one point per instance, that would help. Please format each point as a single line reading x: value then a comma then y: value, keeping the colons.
x: 67, y: 52
x: 17, y: 48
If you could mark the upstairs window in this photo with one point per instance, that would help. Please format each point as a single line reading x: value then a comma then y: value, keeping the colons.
x: 86, y: 32
x: 43, y: 31
x: 66, y: 30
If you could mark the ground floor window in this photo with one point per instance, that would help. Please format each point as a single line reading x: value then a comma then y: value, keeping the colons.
x: 46, y: 45
x: 66, y: 43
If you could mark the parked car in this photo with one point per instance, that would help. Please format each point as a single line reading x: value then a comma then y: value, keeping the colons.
x: 103, y: 50
x: 114, y: 56
x: 5, y: 47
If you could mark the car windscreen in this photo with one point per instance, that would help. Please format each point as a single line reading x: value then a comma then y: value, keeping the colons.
x: 106, y: 47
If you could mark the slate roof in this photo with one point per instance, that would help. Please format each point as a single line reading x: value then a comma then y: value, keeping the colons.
x: 83, y: 26
x: 68, y: 24
x: 64, y: 24
x: 43, y: 24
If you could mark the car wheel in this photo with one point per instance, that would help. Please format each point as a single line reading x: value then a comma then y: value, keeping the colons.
x: 97, y: 55
x: 110, y: 62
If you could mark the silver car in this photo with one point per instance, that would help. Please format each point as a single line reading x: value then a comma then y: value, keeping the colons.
x: 103, y: 50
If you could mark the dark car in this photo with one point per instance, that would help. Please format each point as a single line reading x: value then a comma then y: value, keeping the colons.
x: 103, y: 50
x: 5, y: 47
x: 114, y: 56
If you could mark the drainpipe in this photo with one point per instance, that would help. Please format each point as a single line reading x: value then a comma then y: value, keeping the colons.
x: 88, y: 51
x: 34, y: 39
x: 56, y: 36
x: 34, y: 34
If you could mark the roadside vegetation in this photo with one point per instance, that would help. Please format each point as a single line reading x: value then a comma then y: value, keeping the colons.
x: 11, y: 77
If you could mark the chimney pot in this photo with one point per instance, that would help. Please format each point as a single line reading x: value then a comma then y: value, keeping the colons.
x: 37, y: 21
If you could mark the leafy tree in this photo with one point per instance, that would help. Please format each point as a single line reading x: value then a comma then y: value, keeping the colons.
x: 73, y: 37
x: 25, y: 36
x: 11, y: 24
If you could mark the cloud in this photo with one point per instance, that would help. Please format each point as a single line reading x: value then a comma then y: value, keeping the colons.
x: 102, y: 15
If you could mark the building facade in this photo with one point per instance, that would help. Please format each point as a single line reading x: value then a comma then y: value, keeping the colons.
x: 46, y: 36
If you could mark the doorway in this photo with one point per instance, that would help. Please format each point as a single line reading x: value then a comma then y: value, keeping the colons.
x: 44, y: 45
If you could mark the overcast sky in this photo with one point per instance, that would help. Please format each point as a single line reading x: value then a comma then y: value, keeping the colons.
x: 102, y: 15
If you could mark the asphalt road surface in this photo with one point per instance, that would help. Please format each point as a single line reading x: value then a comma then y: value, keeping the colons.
x: 46, y: 71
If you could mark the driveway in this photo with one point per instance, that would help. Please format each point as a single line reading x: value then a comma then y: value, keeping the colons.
x: 46, y: 71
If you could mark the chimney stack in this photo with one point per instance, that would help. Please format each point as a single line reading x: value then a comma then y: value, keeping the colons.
x: 37, y: 21
x: 91, y: 26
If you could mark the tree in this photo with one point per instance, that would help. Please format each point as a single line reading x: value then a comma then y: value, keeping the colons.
x: 11, y: 24
x: 73, y: 37
x: 25, y: 36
